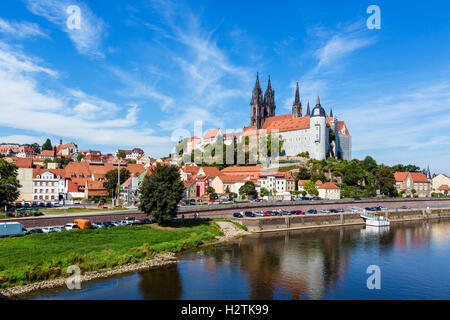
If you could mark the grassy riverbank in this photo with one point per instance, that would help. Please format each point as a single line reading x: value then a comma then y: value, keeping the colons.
x: 41, y: 257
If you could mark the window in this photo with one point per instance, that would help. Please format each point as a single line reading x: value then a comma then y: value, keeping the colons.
x: 35, y: 191
x: 53, y: 197
x: 35, y: 198
x: 40, y: 190
x: 46, y: 197
x: 318, y: 133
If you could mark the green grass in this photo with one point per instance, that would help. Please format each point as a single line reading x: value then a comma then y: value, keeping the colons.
x: 46, y: 256
x: 71, y: 210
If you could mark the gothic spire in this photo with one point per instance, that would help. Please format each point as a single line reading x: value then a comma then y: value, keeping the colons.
x: 331, y: 113
x: 257, y: 92
x: 297, y: 105
x: 297, y: 95
x: 318, y: 101
x: 308, y: 111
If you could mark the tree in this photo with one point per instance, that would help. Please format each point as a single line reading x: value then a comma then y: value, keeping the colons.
x: 264, y: 191
x: 248, y: 189
x: 209, y: 190
x: 385, y: 181
x: 35, y: 146
x: 304, y: 154
x: 233, y: 195
x: 161, y: 192
x: 111, y: 180
x: 227, y: 190
x: 9, y: 184
x: 213, y: 196
x: 47, y: 145
x: 370, y: 164
x: 303, y: 174
x: 120, y: 154
x: 80, y: 156
x: 310, y: 187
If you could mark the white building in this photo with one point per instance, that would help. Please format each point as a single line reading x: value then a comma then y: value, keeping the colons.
x: 49, y: 185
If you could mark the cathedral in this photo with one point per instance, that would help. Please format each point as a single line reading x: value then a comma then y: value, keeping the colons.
x: 319, y: 134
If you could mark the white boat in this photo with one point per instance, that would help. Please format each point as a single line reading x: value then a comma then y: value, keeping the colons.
x: 374, y: 220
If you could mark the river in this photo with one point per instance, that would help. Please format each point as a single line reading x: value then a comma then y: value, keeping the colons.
x: 413, y: 260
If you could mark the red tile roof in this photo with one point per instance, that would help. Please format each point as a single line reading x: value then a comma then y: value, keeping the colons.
x: 328, y: 185
x: 233, y: 178
x: 400, y: 176
x: 342, y: 128
x: 22, y: 162
x: 444, y: 187
x: 210, y: 134
x: 56, y: 172
x: 416, y: 176
x: 210, y: 171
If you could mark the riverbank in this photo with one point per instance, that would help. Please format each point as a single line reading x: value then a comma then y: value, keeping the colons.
x: 128, y: 249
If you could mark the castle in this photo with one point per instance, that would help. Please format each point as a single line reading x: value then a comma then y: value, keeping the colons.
x: 318, y: 133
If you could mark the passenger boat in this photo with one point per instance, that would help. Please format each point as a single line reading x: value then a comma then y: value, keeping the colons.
x: 374, y: 220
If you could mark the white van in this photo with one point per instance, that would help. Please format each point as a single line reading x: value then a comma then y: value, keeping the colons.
x: 12, y: 229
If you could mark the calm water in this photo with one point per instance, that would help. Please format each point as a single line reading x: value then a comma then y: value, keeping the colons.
x: 414, y: 259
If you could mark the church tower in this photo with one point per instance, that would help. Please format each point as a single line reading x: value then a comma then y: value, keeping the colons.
x: 269, y: 102
x: 257, y: 105
x: 297, y: 106
x: 308, y: 111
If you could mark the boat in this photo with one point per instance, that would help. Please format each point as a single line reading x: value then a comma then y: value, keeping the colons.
x: 375, y: 220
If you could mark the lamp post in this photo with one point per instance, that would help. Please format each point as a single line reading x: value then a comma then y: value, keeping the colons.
x: 118, y: 182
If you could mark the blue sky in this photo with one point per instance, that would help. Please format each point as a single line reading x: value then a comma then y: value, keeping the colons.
x: 139, y: 73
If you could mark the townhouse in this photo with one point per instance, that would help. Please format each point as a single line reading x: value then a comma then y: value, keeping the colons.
x: 412, y: 183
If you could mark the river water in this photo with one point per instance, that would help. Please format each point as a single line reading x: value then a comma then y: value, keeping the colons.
x: 413, y: 260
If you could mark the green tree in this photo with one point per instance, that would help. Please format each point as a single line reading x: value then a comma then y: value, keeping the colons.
x: 264, y: 191
x: 303, y: 174
x: 161, y: 192
x: 227, y: 190
x: 120, y: 154
x: 132, y: 161
x: 304, y: 154
x: 248, y: 189
x: 9, y: 184
x: 310, y: 187
x: 111, y: 180
x: 385, y: 181
x: 370, y: 164
x: 213, y: 196
x: 47, y: 145
x: 80, y: 156
x: 35, y: 146
x: 210, y: 190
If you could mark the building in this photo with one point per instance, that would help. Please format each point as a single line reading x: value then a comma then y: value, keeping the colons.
x: 67, y: 149
x: 438, y: 181
x: 49, y: 185
x: 224, y: 183
x: 329, y: 190
x: 301, y: 182
x: 406, y: 182
x: 309, y: 132
x: 252, y: 171
x: 281, y: 182
x: 444, y: 189
x: 132, y: 154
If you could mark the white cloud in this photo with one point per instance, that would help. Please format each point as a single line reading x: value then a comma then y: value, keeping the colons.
x: 70, y: 114
x: 20, y: 30
x: 88, y: 38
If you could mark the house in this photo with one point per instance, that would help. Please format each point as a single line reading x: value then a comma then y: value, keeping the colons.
x: 329, y: 190
x: 144, y: 159
x: 188, y: 172
x: 95, y: 189
x: 232, y: 183
x: 301, y: 182
x: 204, y: 178
x: 49, y: 185
x: 252, y: 171
x: 412, y: 183
x: 444, y: 189
x: 211, y: 136
x: 66, y: 149
x: 439, y: 180
x: 132, y: 154
x: 281, y: 182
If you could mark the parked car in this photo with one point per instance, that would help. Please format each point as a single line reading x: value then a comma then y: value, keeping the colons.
x: 333, y: 211
x: 340, y: 210
x: 108, y: 224
x: 259, y: 213
x: 285, y: 213
x: 59, y: 228
x: 12, y: 229
x: 356, y: 198
x: 71, y: 226
x: 83, y: 223
x: 267, y: 213
x: 145, y: 221
x: 56, y: 204
x: 312, y: 211
x: 238, y: 215
x: 296, y: 212
x: 383, y: 208
x: 250, y: 214
x: 48, y: 230
x: 36, y: 230
x: 325, y: 211
x: 369, y: 209
x: 41, y: 205
x: 34, y: 204
x: 97, y: 225
x: 405, y: 207
x: 356, y: 210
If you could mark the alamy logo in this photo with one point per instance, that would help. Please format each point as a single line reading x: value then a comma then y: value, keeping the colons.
x: 74, y: 281
x: 374, y: 21
x: 374, y: 281
x: 74, y: 19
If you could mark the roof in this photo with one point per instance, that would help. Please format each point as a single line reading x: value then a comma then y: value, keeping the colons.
x: 47, y: 153
x: 56, y: 172
x: 283, y: 175
x: 252, y: 171
x: 301, y: 182
x: 415, y: 176
x: 444, y: 187
x: 211, y: 133
x: 22, y: 162
x: 210, y: 171
x: 72, y: 186
x: 190, y: 169
x: 226, y: 178
x: 328, y: 185
x: 64, y: 146
x: 342, y: 128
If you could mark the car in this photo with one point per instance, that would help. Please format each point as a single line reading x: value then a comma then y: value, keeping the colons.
x: 238, y: 215
x: 48, y: 205
x: 258, y: 200
x: 12, y: 229
x: 145, y: 221
x: 71, y: 226
x: 48, y: 230
x: 267, y: 213
x: 333, y: 211
x: 18, y: 205
x: 117, y: 223
x: 296, y: 212
x: 356, y: 198
x: 356, y: 210
x: 316, y: 198
x: 250, y: 214
x: 97, y: 225
x: 340, y: 210
x: 36, y: 230
x: 108, y: 224
x: 259, y: 213
x: 41, y: 205
x: 285, y: 213
x: 27, y: 205
x: 383, y: 208
x: 312, y: 211
x: 405, y: 207
x: 76, y: 202
x: 369, y: 209
x: 325, y: 211
x: 60, y: 228
x: 56, y: 204
x: 34, y: 204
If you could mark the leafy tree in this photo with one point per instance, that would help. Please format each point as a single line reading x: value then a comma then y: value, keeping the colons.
x: 213, y: 196
x: 310, y: 187
x: 370, y: 164
x: 227, y: 189
x: 385, y: 181
x: 264, y: 191
x: 9, y: 184
x: 248, y: 189
x: 209, y: 190
x: 353, y: 173
x: 47, y: 145
x: 303, y: 174
x: 161, y: 192
x: 111, y: 180
x: 233, y: 195
x: 80, y: 156
x: 121, y: 155
x: 35, y: 146
x: 304, y: 154
x: 132, y: 161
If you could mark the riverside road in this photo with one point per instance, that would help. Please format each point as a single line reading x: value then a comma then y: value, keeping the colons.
x: 227, y: 210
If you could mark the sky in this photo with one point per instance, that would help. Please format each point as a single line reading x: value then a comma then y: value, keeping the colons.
x: 140, y: 73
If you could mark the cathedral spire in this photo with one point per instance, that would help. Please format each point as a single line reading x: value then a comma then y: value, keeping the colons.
x: 308, y: 111
x: 331, y: 113
x: 297, y: 105
x: 318, y: 101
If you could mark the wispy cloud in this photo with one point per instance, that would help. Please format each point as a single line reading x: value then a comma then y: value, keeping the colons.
x: 20, y: 30
x: 88, y: 38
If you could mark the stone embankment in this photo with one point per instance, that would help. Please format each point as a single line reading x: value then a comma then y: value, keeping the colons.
x: 298, y: 222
